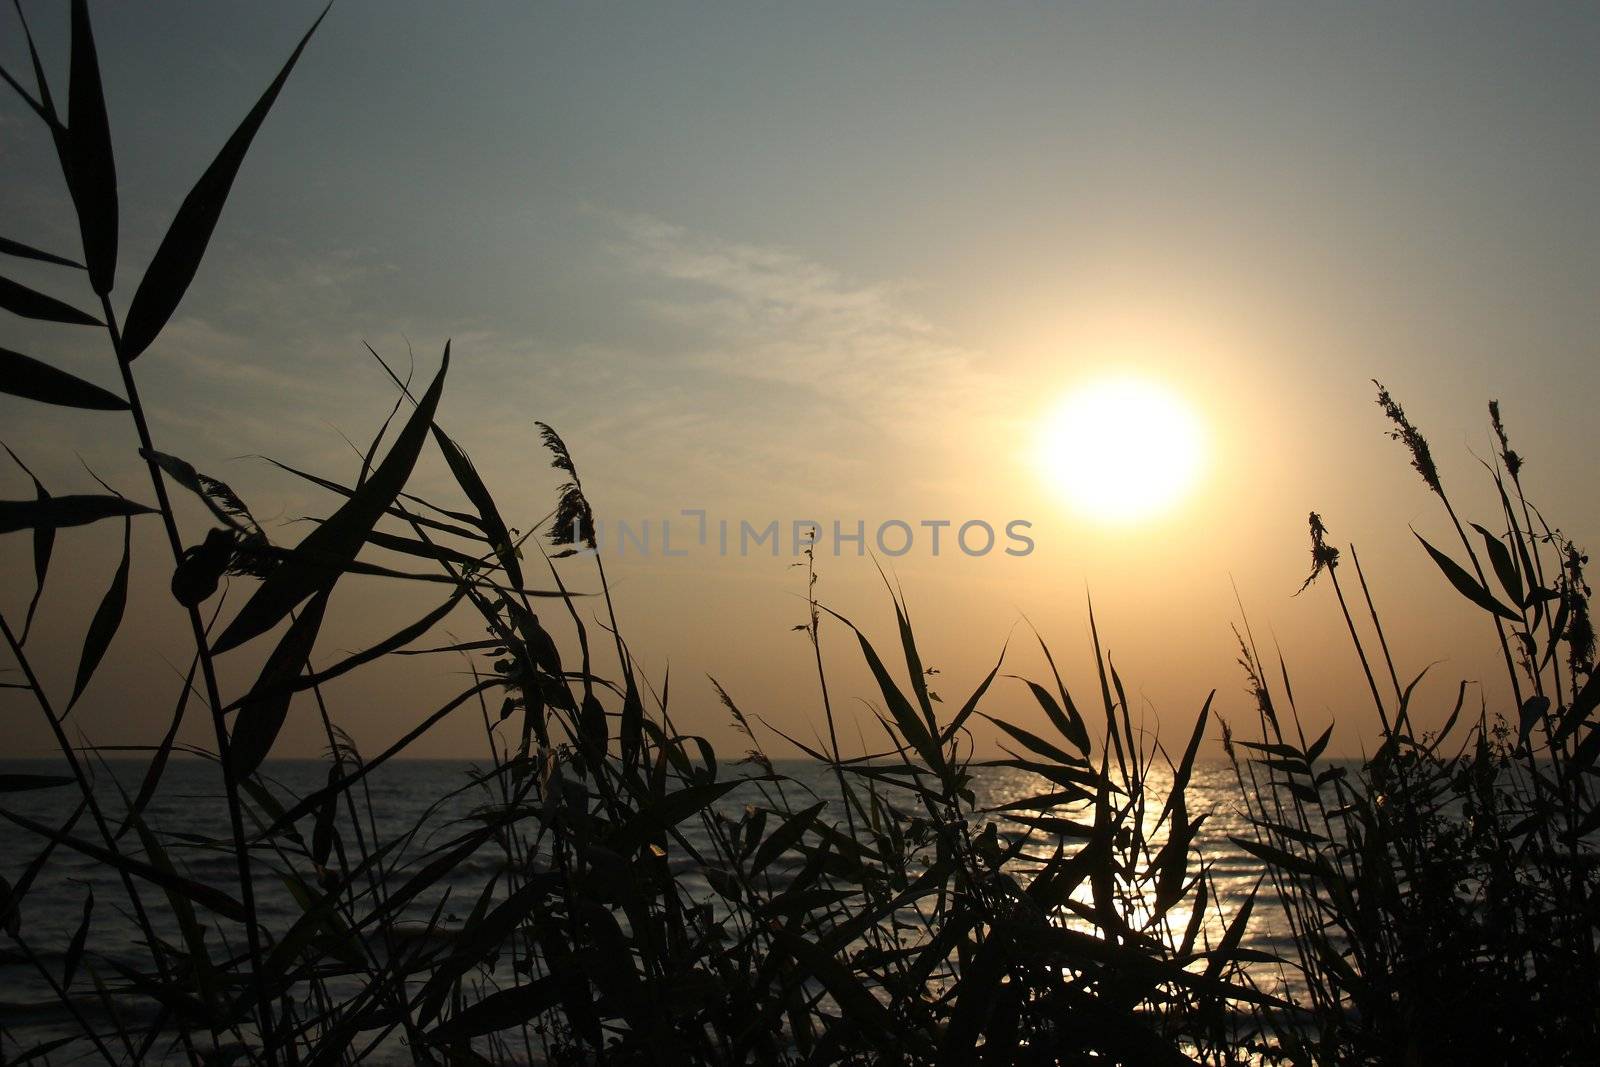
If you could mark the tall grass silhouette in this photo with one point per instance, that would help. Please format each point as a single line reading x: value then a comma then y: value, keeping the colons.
x: 897, y: 923
x: 1442, y: 899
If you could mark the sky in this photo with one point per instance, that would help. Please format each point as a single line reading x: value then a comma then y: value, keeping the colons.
x: 840, y: 263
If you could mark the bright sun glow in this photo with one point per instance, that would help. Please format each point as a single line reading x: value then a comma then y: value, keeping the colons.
x: 1122, y: 449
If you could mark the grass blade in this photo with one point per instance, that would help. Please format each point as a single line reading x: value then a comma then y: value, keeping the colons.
x: 1467, y: 585
x: 87, y: 160
x: 1036, y: 744
x: 69, y: 968
x: 32, y: 379
x: 215, y: 899
x: 176, y: 260
x: 971, y: 705
x: 53, y: 512
x: 666, y: 813
x: 784, y: 837
x: 22, y: 251
x: 107, y: 619
x: 382, y: 648
x: 262, y: 711
x: 316, y: 563
x: 31, y: 304
x: 509, y: 1007
x: 1584, y: 702
x: 1180, y: 779
x: 158, y: 762
x: 19, y: 783
x: 494, y: 526
x: 1072, y: 728
x: 1505, y: 569
x: 346, y: 492
x: 910, y: 723
x: 44, y: 541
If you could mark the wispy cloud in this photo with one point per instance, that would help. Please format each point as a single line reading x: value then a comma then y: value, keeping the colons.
x: 814, y: 375
x: 743, y: 373
x: 771, y: 315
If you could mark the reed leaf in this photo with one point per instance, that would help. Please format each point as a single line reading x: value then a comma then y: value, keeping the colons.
x: 177, y: 258
x: 54, y: 512
x: 500, y: 1011
x: 1528, y: 716
x: 204, y: 895
x: 666, y: 813
x: 86, y: 156
x: 44, y: 540
x: 396, y: 512
x: 263, y: 709
x: 788, y: 834
x: 1584, y: 702
x: 21, y: 251
x: 383, y: 648
x: 971, y: 704
x: 69, y: 965
x: 163, y: 752
x: 494, y: 526
x: 31, y: 304
x: 32, y: 379
x: 218, y: 498
x: 1069, y: 726
x: 315, y: 564
x: 20, y: 783
x: 1234, y: 934
x: 1035, y: 743
x: 906, y: 718
x: 310, y: 803
x: 1467, y: 585
x: 484, y: 937
x: 1505, y: 568
x: 106, y: 621
x: 411, y: 546
x: 857, y: 1002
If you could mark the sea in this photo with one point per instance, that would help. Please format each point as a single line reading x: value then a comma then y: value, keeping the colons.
x: 189, y: 808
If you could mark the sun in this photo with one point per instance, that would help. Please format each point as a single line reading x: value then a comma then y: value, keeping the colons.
x: 1122, y: 449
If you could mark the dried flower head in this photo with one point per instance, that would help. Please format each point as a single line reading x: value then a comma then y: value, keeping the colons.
x: 1408, y: 435
x: 1512, y: 461
x: 1323, y: 555
x: 573, y: 522
x: 758, y: 759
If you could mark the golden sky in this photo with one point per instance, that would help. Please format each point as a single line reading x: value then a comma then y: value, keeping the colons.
x: 827, y: 262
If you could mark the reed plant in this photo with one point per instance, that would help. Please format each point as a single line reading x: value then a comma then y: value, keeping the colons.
x: 1442, y: 893
x: 635, y: 915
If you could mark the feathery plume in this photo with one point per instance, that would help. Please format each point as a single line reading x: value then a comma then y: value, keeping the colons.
x: 1411, y: 437
x: 573, y: 523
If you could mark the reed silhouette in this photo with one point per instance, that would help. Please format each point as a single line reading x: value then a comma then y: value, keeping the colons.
x: 1440, y: 896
